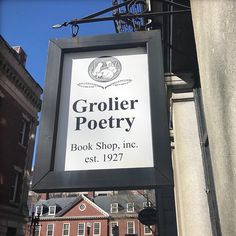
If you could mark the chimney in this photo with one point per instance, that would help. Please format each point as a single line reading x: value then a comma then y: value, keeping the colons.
x: 44, y: 196
x: 91, y: 195
x: 20, y: 53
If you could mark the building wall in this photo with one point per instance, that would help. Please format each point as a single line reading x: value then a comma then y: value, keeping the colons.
x: 190, y: 189
x: 88, y: 216
x: 58, y: 226
x: 12, y: 151
x: 122, y: 224
x: 214, y: 29
x: 106, y: 229
x: 19, y: 105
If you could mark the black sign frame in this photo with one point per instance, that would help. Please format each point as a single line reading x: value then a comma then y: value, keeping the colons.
x: 46, y: 178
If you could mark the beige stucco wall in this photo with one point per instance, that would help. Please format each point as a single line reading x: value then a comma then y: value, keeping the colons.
x: 214, y: 24
x: 192, y: 209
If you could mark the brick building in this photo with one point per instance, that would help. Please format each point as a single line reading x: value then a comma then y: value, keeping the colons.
x: 99, y: 216
x: 19, y: 104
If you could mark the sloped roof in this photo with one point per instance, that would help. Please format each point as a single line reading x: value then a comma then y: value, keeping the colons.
x: 60, y: 203
x: 96, y: 206
x: 122, y: 199
x: 69, y: 206
x: 56, y: 201
x: 101, y: 203
x: 63, y: 205
x: 77, y: 200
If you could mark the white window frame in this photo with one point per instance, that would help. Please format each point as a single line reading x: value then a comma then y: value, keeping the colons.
x: 64, y: 229
x: 114, y: 206
x: 52, y: 229
x: 14, y: 186
x: 39, y: 209
x: 133, y: 226
x: 82, y: 205
x: 23, y: 132
x: 83, y: 229
x: 149, y: 228
x: 49, y: 210
x: 112, y: 224
x: 99, y: 228
x: 146, y: 204
x: 18, y: 174
x: 132, y: 206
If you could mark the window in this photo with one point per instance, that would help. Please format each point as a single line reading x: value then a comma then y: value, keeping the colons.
x: 24, y: 130
x: 130, y: 227
x: 50, y: 230
x: 1, y: 179
x: 147, y: 229
x: 114, y: 207
x: 82, y: 207
x: 146, y: 204
x: 14, y: 186
x: 16, y: 182
x: 130, y: 207
x: 37, y: 230
x: 113, y: 225
x: 38, y: 210
x: 52, y: 210
x: 96, y: 228
x: 81, y: 231
x: 66, y: 229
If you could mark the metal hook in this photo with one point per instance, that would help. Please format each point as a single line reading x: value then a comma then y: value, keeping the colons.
x: 74, y: 30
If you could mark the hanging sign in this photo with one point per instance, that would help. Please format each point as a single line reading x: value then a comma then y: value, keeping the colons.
x: 108, y: 113
x: 148, y: 216
x: 104, y: 108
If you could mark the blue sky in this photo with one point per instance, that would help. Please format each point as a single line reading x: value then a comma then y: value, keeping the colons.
x: 28, y: 23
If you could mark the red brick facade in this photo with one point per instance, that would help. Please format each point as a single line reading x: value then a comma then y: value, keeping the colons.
x: 91, y: 219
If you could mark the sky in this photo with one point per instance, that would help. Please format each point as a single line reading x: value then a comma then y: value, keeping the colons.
x: 28, y: 23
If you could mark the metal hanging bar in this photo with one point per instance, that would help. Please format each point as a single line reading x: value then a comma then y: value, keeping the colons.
x: 94, y: 14
x: 121, y: 17
x: 127, y: 18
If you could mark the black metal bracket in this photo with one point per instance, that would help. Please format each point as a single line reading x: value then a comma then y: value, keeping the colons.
x: 129, y: 13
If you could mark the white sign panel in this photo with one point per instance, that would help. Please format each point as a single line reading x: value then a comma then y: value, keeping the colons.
x: 105, y: 120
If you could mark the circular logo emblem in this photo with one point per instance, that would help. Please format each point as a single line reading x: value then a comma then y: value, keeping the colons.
x: 104, y: 69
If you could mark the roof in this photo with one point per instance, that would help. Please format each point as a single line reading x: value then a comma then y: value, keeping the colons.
x: 101, y: 203
x: 122, y: 199
x: 60, y: 203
